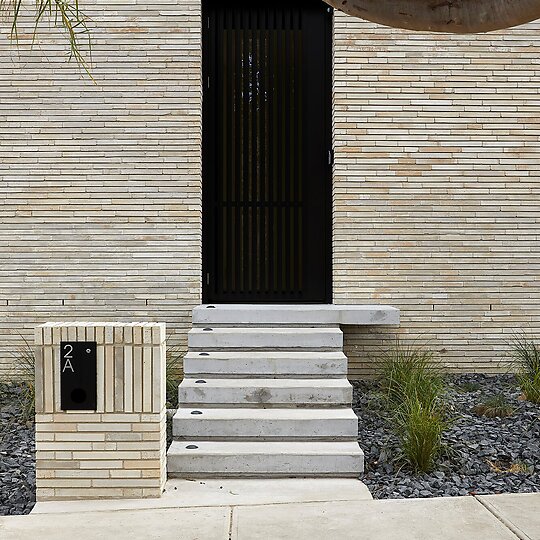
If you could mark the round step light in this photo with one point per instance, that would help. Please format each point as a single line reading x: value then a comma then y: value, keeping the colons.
x: 200, y: 381
x: 204, y: 354
x: 196, y: 412
x: 192, y: 447
x: 210, y: 307
x: 207, y: 329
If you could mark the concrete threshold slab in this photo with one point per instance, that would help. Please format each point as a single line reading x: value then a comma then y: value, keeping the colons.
x: 520, y: 512
x: 227, y: 492
x: 283, y: 314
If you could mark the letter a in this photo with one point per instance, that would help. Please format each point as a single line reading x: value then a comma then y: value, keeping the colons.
x: 68, y: 365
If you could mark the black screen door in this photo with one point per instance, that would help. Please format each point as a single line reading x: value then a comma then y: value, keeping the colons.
x: 267, y: 151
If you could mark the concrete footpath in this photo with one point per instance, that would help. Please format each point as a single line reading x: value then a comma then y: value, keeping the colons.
x: 326, y: 509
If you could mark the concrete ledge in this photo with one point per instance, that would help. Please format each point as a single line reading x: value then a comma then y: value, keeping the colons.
x: 276, y: 314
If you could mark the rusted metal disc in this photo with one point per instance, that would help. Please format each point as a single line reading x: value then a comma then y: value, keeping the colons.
x: 453, y: 16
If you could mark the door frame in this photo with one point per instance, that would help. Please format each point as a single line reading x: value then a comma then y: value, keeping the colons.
x: 209, y: 169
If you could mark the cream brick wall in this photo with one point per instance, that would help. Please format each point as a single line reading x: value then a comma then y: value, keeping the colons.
x: 437, y: 187
x: 100, y: 184
x: 117, y: 451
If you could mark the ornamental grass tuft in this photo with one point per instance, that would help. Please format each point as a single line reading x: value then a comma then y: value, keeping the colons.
x: 496, y: 406
x: 24, y: 373
x: 413, y: 386
x: 526, y: 364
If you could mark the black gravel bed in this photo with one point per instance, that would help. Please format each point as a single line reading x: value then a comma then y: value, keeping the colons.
x: 17, y: 456
x: 481, y: 454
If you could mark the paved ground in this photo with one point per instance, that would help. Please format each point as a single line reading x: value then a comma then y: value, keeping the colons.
x: 281, y: 510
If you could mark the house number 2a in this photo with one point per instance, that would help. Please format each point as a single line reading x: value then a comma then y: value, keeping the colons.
x: 68, y: 357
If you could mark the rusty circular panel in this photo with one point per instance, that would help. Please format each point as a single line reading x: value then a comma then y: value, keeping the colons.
x: 452, y: 16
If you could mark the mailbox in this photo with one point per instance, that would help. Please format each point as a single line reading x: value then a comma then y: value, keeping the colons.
x: 78, y: 376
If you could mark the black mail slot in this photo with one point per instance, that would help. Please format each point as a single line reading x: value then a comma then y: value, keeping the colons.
x: 78, y: 376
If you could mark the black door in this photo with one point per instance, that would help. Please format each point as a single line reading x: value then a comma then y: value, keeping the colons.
x: 267, y: 151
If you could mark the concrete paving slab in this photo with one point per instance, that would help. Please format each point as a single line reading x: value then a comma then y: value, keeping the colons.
x: 229, y: 492
x: 155, y: 524
x: 462, y: 518
x: 520, y: 512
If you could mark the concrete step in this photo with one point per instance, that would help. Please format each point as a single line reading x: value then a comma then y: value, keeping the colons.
x: 265, y: 392
x: 264, y: 459
x: 238, y: 364
x: 292, y: 314
x: 209, y: 338
x: 265, y: 424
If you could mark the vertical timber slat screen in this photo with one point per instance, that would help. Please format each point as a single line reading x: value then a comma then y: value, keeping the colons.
x: 266, y: 148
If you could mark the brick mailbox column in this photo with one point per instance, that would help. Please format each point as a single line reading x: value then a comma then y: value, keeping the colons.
x: 100, y: 410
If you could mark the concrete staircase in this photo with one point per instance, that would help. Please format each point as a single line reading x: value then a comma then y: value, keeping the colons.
x: 265, y: 394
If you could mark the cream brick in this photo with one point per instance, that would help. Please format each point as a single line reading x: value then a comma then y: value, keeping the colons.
x: 55, y: 426
x: 55, y: 464
x: 123, y: 482
x: 76, y: 416
x: 143, y: 464
x: 106, y: 455
x: 44, y: 437
x: 124, y: 473
x: 105, y: 427
x: 65, y: 446
x: 87, y: 473
x: 79, y: 436
x: 101, y: 463
x: 67, y: 493
x: 117, y: 418
x: 126, y: 436
x: 65, y: 482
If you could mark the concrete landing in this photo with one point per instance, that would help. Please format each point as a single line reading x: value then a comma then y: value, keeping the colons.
x: 251, y: 510
x: 286, y: 314
x: 226, y: 492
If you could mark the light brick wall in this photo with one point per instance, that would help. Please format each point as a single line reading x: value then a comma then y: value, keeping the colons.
x: 437, y: 187
x: 100, y: 184
x: 118, y: 451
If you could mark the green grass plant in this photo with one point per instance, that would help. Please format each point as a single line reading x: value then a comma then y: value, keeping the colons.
x: 24, y: 375
x: 526, y: 364
x: 496, y: 406
x: 412, y: 386
x: 410, y: 371
x: 173, y: 374
x: 469, y: 387
x: 420, y: 429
